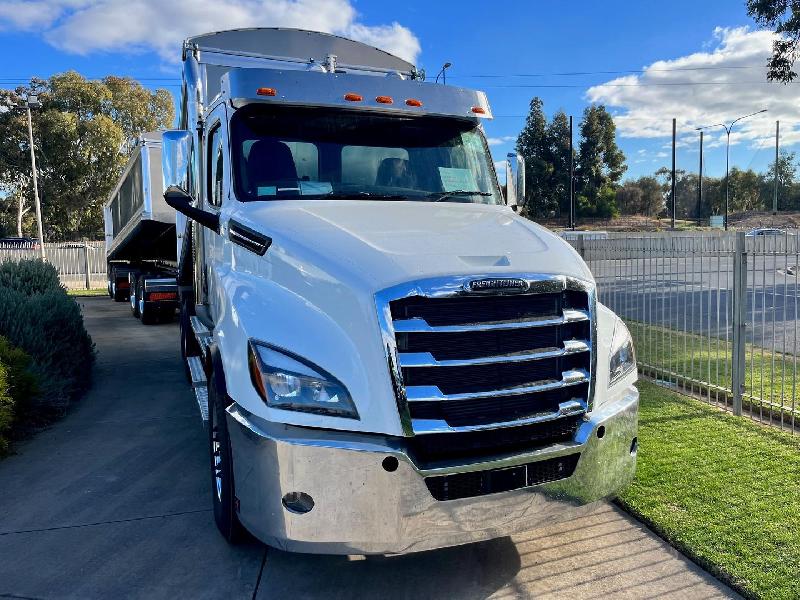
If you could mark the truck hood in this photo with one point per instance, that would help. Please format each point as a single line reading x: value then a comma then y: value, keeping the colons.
x: 384, y: 243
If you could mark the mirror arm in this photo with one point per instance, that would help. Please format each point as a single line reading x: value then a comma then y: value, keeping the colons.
x: 180, y: 200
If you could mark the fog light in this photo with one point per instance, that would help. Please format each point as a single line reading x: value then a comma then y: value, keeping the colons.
x: 390, y: 464
x: 298, y: 502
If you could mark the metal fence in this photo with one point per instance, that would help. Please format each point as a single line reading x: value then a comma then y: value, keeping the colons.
x: 714, y: 315
x: 79, y: 264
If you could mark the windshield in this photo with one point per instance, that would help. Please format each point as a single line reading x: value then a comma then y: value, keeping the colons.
x: 284, y: 152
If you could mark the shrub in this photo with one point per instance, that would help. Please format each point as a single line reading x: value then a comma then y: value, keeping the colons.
x: 6, y: 410
x: 37, y: 316
x: 23, y: 386
x: 30, y: 276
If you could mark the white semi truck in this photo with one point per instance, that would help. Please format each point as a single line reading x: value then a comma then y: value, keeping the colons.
x: 388, y: 358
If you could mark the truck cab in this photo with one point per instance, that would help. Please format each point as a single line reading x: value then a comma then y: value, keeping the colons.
x: 389, y: 359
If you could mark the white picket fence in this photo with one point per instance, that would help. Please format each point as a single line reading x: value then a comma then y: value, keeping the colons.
x: 79, y: 264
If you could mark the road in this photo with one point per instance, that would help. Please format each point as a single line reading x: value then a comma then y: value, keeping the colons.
x: 694, y: 294
x: 113, y: 502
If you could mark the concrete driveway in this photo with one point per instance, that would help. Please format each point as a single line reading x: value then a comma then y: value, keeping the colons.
x: 113, y: 502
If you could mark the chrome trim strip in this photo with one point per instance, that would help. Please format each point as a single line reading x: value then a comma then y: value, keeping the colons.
x: 426, y: 359
x: 565, y: 409
x: 429, y: 393
x: 418, y: 325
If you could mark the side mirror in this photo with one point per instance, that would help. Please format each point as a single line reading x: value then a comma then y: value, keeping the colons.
x: 176, y: 172
x: 180, y: 200
x: 515, y: 181
x: 176, y: 152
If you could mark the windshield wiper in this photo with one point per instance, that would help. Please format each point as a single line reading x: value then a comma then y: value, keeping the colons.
x: 439, y: 197
x: 358, y: 195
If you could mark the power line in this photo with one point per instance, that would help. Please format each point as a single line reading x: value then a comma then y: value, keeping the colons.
x: 619, y: 72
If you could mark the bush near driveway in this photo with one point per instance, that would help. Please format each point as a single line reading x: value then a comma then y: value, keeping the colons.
x: 37, y: 316
x: 723, y: 489
x: 18, y: 387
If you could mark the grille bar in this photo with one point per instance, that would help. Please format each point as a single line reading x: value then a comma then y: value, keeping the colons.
x: 493, y: 481
x: 565, y: 409
x: 420, y: 325
x: 432, y: 393
x: 426, y: 359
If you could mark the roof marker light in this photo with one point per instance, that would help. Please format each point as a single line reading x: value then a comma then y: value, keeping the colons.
x: 413, y: 102
x: 266, y: 91
x: 384, y: 100
x: 353, y: 97
x: 479, y: 110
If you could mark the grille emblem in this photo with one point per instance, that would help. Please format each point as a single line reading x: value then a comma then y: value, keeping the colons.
x: 508, y: 285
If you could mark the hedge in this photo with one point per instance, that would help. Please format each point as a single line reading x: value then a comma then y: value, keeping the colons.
x: 38, y: 317
x: 18, y: 388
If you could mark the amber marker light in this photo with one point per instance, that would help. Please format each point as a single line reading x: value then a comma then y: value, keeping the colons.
x: 353, y: 97
x: 266, y: 91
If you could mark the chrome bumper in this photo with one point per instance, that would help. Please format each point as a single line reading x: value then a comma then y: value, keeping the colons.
x: 361, y: 508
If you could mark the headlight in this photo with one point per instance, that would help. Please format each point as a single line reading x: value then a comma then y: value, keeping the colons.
x: 623, y: 359
x: 288, y: 382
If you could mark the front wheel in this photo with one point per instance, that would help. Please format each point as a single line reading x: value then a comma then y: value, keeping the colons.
x: 221, y: 463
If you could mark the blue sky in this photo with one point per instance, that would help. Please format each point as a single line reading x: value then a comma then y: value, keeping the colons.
x: 648, y: 61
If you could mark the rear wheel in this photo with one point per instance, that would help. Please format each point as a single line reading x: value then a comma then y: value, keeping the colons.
x: 221, y: 463
x: 134, y: 295
x: 147, y: 315
x: 117, y: 294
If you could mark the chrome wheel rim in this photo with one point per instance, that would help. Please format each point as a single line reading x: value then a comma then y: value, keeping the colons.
x: 216, y: 455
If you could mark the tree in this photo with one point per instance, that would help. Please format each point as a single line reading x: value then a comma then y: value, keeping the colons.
x: 787, y: 173
x: 545, y: 148
x: 600, y: 164
x: 532, y: 144
x: 782, y: 16
x: 558, y: 144
x: 83, y: 133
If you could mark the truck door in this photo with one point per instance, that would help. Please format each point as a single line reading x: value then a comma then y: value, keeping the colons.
x: 216, y: 171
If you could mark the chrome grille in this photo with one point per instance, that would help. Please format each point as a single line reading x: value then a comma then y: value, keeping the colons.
x: 471, y: 362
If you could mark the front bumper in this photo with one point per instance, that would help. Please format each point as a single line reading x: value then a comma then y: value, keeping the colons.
x: 361, y: 508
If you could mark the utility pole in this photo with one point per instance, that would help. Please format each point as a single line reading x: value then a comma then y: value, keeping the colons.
x: 571, y: 180
x: 700, y: 182
x: 33, y: 101
x: 775, y: 197
x: 674, y: 209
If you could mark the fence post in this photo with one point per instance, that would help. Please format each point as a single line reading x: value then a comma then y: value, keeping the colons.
x: 738, y: 362
x: 86, y: 266
x: 581, y: 247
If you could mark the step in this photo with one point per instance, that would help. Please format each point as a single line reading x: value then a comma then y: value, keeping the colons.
x: 196, y: 371
x: 201, y: 394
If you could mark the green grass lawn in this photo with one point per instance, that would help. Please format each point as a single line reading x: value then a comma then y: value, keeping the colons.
x: 80, y: 293
x: 722, y: 489
x: 769, y: 376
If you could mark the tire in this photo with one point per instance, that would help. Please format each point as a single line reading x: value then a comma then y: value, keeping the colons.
x: 117, y: 294
x: 149, y: 316
x: 221, y: 467
x: 134, y: 295
x: 189, y: 345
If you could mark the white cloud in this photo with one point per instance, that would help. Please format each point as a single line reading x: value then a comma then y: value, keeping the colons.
x: 496, y: 141
x: 500, y: 167
x: 85, y: 26
x: 728, y: 80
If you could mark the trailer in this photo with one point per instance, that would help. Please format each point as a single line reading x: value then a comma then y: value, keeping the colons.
x: 140, y: 236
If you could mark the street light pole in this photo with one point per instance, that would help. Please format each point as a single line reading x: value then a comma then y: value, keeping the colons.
x: 727, y: 178
x: 728, y: 130
x: 35, y: 182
